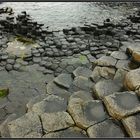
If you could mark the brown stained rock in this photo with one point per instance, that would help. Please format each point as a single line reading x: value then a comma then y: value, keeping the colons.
x: 64, y: 80
x: 106, y: 87
x: 119, y: 55
x: 132, y: 79
x: 102, y: 73
x: 28, y: 125
x: 82, y: 71
x: 86, y: 113
x: 56, y: 121
x: 105, y: 61
x: 134, y: 51
x: 50, y: 104
x: 72, y: 132
x: 122, y: 104
x: 132, y: 125
x: 105, y: 129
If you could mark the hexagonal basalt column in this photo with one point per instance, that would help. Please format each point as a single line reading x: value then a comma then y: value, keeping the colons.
x: 28, y: 126
x: 106, y: 87
x: 72, y: 132
x: 64, y: 80
x: 105, y: 129
x: 87, y: 113
x: 50, y: 104
x: 56, y: 121
x: 122, y: 104
x: 132, y: 125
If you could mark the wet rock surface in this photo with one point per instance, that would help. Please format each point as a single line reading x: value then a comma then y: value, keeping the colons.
x: 69, y: 83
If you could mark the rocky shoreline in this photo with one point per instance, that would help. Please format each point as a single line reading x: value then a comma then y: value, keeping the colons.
x: 72, y: 83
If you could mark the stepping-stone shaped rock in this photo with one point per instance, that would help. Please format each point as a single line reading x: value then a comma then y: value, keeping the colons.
x: 28, y: 126
x: 132, y: 79
x: 72, y: 132
x: 106, y: 87
x: 105, y: 61
x: 87, y: 113
x: 54, y: 89
x: 105, y: 129
x: 56, y: 121
x: 119, y: 75
x: 64, y: 80
x: 83, y: 83
x: 36, y: 59
x: 102, y: 72
x: 132, y: 125
x: 3, y: 126
x: 50, y: 104
x: 123, y: 64
x: 122, y: 104
x: 34, y: 100
x: 119, y: 55
x: 83, y: 95
x: 82, y: 71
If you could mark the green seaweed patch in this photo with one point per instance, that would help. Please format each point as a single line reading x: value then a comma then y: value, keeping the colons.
x: 4, y: 92
x: 25, y: 40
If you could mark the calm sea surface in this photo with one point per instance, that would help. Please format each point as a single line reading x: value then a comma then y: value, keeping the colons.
x: 58, y: 15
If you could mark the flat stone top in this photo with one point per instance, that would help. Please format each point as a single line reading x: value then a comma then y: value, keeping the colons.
x: 64, y: 80
x: 122, y: 104
x: 132, y: 125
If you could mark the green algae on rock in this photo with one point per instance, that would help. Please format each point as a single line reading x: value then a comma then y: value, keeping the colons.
x: 4, y: 92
